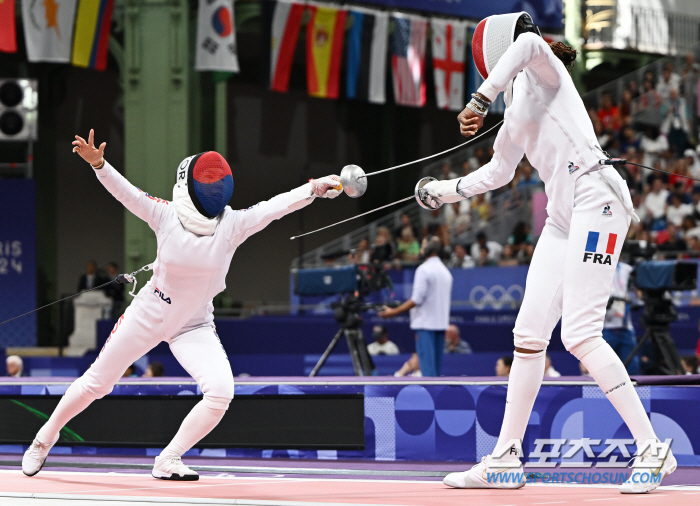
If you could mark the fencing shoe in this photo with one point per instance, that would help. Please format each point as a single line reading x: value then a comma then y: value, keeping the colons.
x: 35, y: 456
x: 172, y: 468
x: 655, y: 464
x: 489, y: 473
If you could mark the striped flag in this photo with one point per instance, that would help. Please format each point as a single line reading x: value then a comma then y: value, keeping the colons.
x: 448, y: 44
x: 8, y: 35
x: 91, y: 37
x: 324, y: 50
x: 48, y: 29
x: 286, y: 21
x: 367, y: 46
x: 408, y: 42
x: 498, y: 106
x: 216, y: 37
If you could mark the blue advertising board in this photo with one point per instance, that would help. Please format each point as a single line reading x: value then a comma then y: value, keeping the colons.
x: 545, y: 13
x: 17, y: 261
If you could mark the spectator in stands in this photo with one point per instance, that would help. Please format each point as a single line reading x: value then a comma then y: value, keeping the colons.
x: 668, y: 81
x: 410, y: 368
x: 521, y: 236
x: 407, y: 223
x: 484, y: 259
x: 382, y: 249
x: 690, y: 228
x: 430, y: 308
x: 454, y: 343
x: 115, y: 291
x: 508, y: 257
x: 503, y: 366
x: 650, y: 99
x: 676, y: 124
x: 91, y: 278
x: 690, y: 364
x: 549, y: 370
x: 676, y: 211
x: 608, y: 114
x: 360, y: 255
x: 689, y: 75
x: 693, y: 162
x: 466, y: 168
x: 460, y: 259
x: 482, y: 208
x: 671, y: 240
x: 528, y: 177
x: 407, y: 247
x: 655, y: 204
x: 14, y: 366
x: 629, y: 140
x: 154, y: 369
x: 626, y: 107
x: 446, y: 172
x: 653, y: 144
x: 130, y: 372
x: 381, y: 344
x: 633, y: 89
x: 494, y: 249
x: 436, y: 219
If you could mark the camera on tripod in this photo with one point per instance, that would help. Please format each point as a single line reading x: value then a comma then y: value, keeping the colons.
x: 656, y: 278
x: 353, y: 283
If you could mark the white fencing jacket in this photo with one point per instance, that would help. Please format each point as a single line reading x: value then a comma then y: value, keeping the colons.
x: 190, y: 269
x: 546, y: 120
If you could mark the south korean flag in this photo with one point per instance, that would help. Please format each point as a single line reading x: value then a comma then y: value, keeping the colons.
x: 216, y: 36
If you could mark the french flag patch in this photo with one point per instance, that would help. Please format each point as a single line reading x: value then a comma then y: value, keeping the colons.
x: 606, y: 245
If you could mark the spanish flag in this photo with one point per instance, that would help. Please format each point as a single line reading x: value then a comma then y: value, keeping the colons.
x: 324, y: 50
x: 92, y: 33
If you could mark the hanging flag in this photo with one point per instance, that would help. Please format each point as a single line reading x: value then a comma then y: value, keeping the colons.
x: 324, y: 50
x: 48, y: 29
x: 367, y: 47
x: 91, y: 38
x: 449, y: 43
x: 216, y: 36
x: 498, y: 106
x: 286, y: 21
x: 8, y: 36
x: 408, y: 42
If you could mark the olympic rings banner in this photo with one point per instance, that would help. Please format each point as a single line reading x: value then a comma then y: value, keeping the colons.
x: 17, y: 261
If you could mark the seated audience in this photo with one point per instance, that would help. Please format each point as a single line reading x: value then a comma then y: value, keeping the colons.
x: 382, y: 249
x: 14, y: 365
x: 454, y: 343
x: 549, y: 370
x: 503, y: 365
x: 381, y: 344
x: 410, y: 368
x: 361, y: 254
x: 677, y: 210
x: 494, y: 249
x: 406, y: 223
x: 460, y: 259
x: 130, y: 372
x: 690, y: 364
x: 154, y: 370
x: 407, y: 247
x: 508, y: 257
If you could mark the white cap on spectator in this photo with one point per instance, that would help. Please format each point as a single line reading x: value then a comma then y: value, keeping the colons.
x: 689, y: 152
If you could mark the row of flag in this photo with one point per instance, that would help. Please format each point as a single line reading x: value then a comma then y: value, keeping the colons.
x: 65, y: 31
x: 370, y: 44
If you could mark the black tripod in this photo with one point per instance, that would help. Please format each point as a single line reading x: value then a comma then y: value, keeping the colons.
x: 659, y: 313
x: 347, y: 314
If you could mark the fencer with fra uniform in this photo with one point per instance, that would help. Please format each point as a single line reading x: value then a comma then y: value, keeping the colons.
x: 589, y: 212
x: 197, y: 234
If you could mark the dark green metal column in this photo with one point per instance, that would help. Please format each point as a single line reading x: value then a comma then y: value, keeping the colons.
x: 161, y: 116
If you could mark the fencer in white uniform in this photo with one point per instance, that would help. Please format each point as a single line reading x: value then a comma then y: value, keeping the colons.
x: 197, y: 234
x: 589, y: 211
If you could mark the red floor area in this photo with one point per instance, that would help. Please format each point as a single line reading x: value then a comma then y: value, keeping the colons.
x: 315, y: 491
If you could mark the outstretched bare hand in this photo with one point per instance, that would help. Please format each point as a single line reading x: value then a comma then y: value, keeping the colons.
x: 469, y: 122
x: 87, y: 150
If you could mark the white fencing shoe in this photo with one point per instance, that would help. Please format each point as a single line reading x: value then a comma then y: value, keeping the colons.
x: 35, y: 456
x: 649, y: 469
x: 489, y: 473
x: 172, y: 468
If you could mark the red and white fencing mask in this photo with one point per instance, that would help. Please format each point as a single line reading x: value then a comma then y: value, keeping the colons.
x: 494, y: 34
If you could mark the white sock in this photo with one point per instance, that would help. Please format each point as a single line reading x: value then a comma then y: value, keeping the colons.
x: 610, y: 374
x: 197, y: 424
x: 524, y: 382
x: 70, y: 405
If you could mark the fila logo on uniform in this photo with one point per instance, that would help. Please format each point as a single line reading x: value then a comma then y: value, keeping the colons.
x: 607, y: 212
x: 592, y: 248
x: 162, y: 297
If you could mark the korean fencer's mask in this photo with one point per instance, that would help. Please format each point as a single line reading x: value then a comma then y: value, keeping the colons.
x: 494, y: 34
x: 203, y: 189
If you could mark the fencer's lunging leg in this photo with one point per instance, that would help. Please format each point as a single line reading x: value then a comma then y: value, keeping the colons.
x: 201, y: 354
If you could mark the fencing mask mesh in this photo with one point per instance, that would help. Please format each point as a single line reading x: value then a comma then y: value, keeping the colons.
x: 494, y: 34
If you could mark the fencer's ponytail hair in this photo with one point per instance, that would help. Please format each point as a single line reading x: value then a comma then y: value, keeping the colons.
x: 565, y: 53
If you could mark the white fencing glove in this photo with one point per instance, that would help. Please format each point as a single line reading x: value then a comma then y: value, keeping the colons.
x: 328, y: 187
x: 438, y: 193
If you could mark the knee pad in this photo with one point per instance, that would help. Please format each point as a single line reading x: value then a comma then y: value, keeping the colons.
x: 90, y: 388
x: 530, y: 343
x: 584, y: 348
x: 216, y: 403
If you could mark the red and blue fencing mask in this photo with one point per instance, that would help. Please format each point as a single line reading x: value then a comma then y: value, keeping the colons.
x: 209, y: 182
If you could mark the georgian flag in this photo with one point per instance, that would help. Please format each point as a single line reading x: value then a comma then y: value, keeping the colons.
x: 449, y: 43
x: 216, y: 36
x: 408, y: 41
